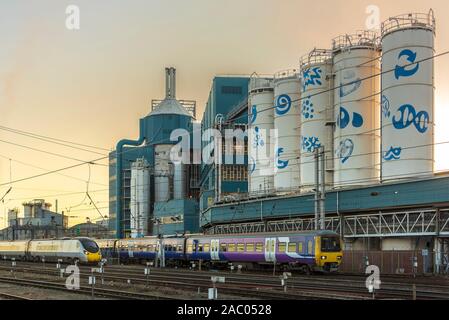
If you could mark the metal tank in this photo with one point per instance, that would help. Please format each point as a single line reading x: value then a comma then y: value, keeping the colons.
x: 140, y: 198
x: 162, y: 173
x: 286, y: 122
x: 179, y: 180
x: 261, y: 125
x: 357, y: 109
x: 317, y: 101
x: 408, y: 96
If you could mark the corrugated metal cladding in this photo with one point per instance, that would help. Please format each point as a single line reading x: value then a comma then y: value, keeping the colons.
x: 380, y: 197
x: 225, y: 95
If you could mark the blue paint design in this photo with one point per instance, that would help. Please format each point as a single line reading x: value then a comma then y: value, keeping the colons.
x: 344, y: 119
x: 311, y: 77
x: 308, y: 109
x: 345, y: 150
x: 253, y: 114
x: 348, y: 88
x: 385, y: 107
x: 258, y: 141
x: 280, y: 163
x: 252, y: 163
x: 393, y: 154
x: 309, y: 144
x: 409, y: 116
x: 406, y: 71
x: 283, y: 104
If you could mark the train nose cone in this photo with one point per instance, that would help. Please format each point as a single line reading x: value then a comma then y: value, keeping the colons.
x: 94, y: 257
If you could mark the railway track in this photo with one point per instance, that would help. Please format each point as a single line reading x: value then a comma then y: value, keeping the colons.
x: 85, y: 290
x: 9, y: 296
x: 266, y: 287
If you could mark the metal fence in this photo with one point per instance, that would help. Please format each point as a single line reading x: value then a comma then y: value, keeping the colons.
x: 389, y: 262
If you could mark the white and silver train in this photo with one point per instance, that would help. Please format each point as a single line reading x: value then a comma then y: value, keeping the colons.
x: 69, y: 250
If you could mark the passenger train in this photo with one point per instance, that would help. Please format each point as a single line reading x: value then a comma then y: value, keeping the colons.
x: 306, y: 251
x: 83, y: 250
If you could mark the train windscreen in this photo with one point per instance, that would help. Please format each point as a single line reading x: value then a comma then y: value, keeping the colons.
x: 330, y: 244
x: 89, y: 245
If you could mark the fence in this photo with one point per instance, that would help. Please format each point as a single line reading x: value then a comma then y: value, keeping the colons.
x: 389, y: 262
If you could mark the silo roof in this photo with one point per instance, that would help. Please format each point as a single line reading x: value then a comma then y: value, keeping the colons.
x: 170, y: 106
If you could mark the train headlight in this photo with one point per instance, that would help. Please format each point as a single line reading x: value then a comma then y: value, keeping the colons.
x: 339, y: 257
x: 323, y: 257
x: 85, y: 252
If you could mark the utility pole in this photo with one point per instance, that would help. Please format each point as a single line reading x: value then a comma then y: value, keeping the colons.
x: 320, y: 188
x: 323, y: 189
x: 317, y: 186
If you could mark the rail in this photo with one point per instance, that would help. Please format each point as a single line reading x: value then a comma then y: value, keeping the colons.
x: 411, y: 20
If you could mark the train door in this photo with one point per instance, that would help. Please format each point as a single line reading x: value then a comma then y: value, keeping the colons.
x: 270, y: 249
x: 214, y: 247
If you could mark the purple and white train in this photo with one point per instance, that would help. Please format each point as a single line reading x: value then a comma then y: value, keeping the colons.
x: 308, y: 251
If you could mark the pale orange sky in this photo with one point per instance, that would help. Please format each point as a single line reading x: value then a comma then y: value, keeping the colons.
x: 91, y: 86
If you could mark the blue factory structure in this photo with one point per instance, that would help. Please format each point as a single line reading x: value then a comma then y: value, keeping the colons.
x: 372, y: 189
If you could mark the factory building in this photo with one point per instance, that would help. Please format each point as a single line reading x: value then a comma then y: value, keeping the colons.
x: 37, y: 222
x: 226, y: 179
x: 364, y: 105
x: 148, y: 159
x: 374, y: 124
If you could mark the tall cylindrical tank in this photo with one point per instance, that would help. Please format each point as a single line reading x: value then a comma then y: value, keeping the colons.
x: 140, y: 198
x: 162, y: 173
x: 261, y: 125
x: 316, y: 114
x: 286, y: 122
x: 408, y: 96
x: 357, y: 109
x: 179, y: 180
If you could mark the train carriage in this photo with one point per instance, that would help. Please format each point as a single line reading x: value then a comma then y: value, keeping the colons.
x: 70, y: 250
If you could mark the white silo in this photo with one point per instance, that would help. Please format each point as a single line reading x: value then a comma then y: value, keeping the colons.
x: 316, y: 114
x: 179, y: 180
x: 261, y: 125
x: 408, y: 96
x: 162, y: 173
x: 140, y: 198
x: 286, y: 122
x: 356, y: 109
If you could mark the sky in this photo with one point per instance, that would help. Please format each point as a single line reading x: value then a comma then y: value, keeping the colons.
x: 92, y: 85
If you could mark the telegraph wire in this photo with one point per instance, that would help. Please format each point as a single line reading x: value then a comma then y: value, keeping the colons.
x: 347, y: 84
x: 50, y: 138
x: 40, y: 168
x: 48, y: 152
x: 165, y: 140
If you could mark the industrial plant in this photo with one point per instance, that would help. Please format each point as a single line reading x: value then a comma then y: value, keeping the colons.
x: 344, y: 141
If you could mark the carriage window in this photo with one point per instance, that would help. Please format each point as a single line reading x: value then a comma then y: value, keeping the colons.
x: 240, y: 247
x: 180, y: 247
x: 281, y: 246
x: 200, y: 248
x: 189, y: 248
x: 300, y: 248
x: 250, y: 247
x: 206, y: 247
x: 292, y: 247
x: 259, y: 247
x: 310, y: 246
x: 231, y: 247
x: 223, y: 247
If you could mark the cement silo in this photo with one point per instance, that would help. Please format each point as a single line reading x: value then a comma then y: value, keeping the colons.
x: 357, y: 109
x: 140, y: 198
x: 163, y: 173
x: 408, y: 96
x: 286, y: 123
x: 261, y: 125
x: 316, y: 114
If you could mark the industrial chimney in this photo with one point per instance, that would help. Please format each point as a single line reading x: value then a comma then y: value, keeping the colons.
x: 170, y: 83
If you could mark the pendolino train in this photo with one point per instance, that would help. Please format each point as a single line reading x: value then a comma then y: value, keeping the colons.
x: 307, y: 251
x: 69, y: 250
